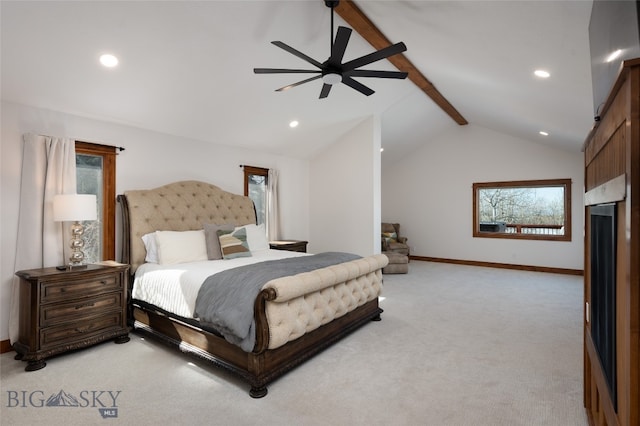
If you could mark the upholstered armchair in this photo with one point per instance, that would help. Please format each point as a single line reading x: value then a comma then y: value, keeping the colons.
x: 392, y: 241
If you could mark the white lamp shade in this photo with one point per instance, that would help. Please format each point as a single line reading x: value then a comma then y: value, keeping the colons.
x: 72, y: 207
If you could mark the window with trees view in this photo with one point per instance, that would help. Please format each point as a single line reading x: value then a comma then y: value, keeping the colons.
x: 96, y: 174
x: 534, y: 210
x: 255, y: 187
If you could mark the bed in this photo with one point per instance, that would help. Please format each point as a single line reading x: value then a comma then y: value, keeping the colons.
x: 293, y: 317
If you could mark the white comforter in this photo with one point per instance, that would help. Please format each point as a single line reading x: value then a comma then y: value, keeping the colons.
x: 174, y: 288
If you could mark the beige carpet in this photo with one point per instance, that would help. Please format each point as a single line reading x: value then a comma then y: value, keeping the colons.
x: 456, y: 346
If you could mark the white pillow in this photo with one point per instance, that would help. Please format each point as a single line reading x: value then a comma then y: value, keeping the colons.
x: 256, y: 236
x: 181, y: 247
x: 151, y: 246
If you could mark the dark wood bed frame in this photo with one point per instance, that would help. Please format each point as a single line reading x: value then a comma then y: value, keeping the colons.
x: 262, y: 365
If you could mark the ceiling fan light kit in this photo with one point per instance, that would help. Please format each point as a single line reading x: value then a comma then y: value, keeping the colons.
x: 333, y: 70
x: 332, y: 78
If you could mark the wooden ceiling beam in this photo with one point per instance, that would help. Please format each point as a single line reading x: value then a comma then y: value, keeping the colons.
x: 352, y: 14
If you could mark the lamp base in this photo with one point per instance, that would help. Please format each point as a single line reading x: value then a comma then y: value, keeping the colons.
x: 77, y: 243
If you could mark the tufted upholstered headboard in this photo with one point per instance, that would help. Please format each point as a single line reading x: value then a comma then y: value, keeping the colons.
x: 179, y: 206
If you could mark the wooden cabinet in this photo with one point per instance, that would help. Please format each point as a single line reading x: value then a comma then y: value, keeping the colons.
x: 290, y: 245
x: 65, y: 310
x: 612, y: 277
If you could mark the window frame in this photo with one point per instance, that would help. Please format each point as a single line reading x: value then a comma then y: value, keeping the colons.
x: 565, y: 183
x: 252, y: 170
x: 108, y: 154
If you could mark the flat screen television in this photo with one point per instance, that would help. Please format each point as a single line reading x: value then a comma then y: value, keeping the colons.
x: 614, y: 26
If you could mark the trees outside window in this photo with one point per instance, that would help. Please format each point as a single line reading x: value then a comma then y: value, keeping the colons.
x: 96, y: 174
x: 255, y: 187
x: 536, y: 209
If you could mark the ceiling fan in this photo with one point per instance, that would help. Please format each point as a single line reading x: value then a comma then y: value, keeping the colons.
x: 333, y: 70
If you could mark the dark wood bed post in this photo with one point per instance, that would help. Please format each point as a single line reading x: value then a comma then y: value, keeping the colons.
x: 125, y: 256
x: 126, y: 225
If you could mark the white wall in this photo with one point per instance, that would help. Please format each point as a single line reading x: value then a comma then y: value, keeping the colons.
x: 430, y: 195
x: 345, y: 183
x: 150, y: 160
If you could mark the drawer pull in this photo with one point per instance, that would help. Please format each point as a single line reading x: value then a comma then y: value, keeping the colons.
x: 82, y: 329
x: 85, y: 305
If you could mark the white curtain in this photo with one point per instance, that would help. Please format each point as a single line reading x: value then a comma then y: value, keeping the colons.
x: 48, y: 168
x: 272, y: 213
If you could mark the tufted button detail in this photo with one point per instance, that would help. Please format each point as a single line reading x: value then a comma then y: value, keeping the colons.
x: 181, y: 206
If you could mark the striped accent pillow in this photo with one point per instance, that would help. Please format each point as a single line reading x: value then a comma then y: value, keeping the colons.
x: 234, y: 243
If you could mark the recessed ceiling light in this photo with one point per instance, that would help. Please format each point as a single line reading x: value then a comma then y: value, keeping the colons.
x: 381, y: 149
x: 543, y: 133
x: 614, y: 55
x: 293, y: 124
x: 108, y: 60
x: 542, y: 73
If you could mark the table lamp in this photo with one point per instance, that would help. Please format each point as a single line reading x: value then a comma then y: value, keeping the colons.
x: 75, y: 208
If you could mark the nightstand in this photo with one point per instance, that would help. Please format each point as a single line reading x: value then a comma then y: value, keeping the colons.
x: 65, y: 310
x: 289, y: 245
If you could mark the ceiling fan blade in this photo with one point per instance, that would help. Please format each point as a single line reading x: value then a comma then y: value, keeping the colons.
x: 378, y: 74
x: 298, y: 83
x: 326, y: 88
x: 394, y: 49
x: 283, y: 71
x: 297, y: 53
x: 357, y: 85
x: 339, y: 46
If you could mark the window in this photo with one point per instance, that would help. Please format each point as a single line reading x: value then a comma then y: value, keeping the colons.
x: 530, y: 210
x: 255, y: 186
x: 96, y: 174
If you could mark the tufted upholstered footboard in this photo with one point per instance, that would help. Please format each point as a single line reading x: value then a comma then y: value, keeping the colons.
x: 296, y: 317
x: 301, y: 303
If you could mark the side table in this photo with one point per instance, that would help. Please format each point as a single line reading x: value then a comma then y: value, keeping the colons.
x: 65, y: 310
x: 290, y: 245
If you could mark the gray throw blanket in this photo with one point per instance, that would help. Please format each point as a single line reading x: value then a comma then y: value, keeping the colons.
x: 225, y: 301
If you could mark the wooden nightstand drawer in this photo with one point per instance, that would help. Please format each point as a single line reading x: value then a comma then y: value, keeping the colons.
x: 64, y: 310
x: 65, y: 290
x: 74, y: 331
x: 56, y: 313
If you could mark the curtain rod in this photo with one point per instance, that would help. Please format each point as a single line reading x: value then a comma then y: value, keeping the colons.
x: 242, y: 166
x: 119, y: 148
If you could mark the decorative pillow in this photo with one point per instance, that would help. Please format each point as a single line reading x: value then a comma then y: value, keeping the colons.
x: 181, y: 247
x: 151, y: 246
x: 234, y: 243
x: 256, y: 236
x: 212, y: 240
x: 390, y: 237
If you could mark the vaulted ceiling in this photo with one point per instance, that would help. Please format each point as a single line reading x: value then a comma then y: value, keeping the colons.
x: 186, y: 69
